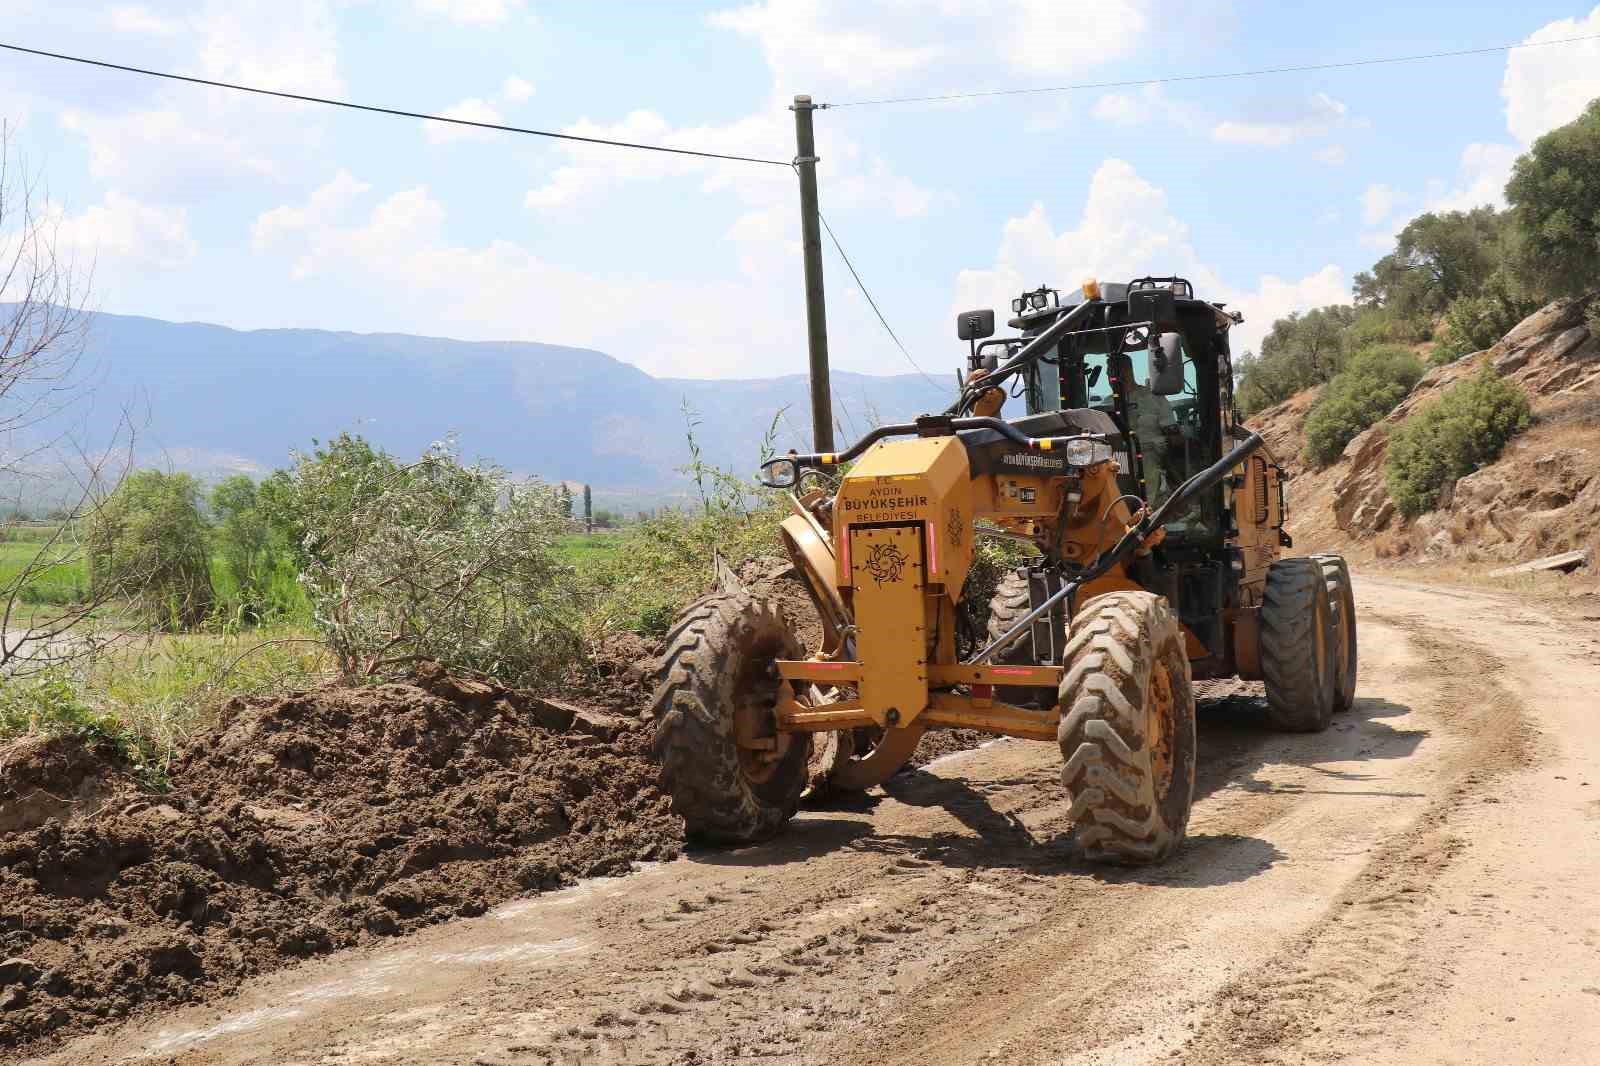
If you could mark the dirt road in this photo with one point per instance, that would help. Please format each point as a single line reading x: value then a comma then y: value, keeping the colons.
x: 1416, y: 885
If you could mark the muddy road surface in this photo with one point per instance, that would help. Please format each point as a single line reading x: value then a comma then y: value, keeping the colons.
x: 1416, y: 885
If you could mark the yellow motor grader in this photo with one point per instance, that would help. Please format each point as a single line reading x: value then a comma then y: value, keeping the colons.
x: 1154, y: 523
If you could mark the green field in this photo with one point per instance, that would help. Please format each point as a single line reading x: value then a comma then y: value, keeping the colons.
x: 64, y: 583
x: 586, y: 549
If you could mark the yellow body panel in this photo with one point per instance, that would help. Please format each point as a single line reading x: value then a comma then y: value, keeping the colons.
x: 886, y: 579
x: 925, y: 480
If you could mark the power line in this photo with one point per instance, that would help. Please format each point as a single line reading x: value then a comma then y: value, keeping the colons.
x: 1081, y: 86
x: 874, y: 304
x: 303, y: 98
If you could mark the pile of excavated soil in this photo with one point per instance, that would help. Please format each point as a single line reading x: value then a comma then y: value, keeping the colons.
x: 302, y: 825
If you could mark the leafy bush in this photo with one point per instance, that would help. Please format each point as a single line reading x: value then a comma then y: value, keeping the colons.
x: 1473, y: 323
x: 1370, y: 386
x: 1555, y: 203
x: 663, y: 562
x: 433, y: 560
x: 147, y: 543
x: 1456, y: 434
x: 255, y: 576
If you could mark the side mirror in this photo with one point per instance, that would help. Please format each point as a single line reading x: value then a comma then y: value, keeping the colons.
x: 975, y: 325
x: 779, y: 473
x: 1166, y: 366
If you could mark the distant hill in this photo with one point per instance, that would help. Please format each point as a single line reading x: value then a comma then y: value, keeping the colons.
x: 220, y: 399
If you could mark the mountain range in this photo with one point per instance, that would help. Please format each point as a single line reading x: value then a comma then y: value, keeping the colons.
x: 214, y: 399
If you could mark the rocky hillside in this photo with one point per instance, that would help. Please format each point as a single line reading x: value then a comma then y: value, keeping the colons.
x: 1541, y: 497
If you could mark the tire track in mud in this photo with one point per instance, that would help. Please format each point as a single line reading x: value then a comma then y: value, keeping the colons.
x: 951, y: 920
x: 1349, y: 977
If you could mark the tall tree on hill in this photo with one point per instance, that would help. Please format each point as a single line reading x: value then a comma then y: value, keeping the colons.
x: 1555, y: 201
x: 1437, y: 259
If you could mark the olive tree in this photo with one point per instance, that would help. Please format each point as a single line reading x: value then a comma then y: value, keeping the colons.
x: 433, y: 560
x: 149, y: 545
x: 1555, y: 201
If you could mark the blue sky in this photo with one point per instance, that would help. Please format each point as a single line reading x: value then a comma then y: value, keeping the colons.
x: 1270, y: 192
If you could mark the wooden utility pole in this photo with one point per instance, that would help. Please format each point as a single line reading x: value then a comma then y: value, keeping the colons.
x: 805, y: 162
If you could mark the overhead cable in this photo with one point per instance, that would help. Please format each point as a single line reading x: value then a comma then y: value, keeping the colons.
x: 304, y: 98
x: 1134, y: 83
x: 874, y: 304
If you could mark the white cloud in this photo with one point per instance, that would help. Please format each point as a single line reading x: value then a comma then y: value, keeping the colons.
x: 1549, y: 86
x: 1333, y: 155
x: 1481, y: 180
x: 176, y: 143
x: 131, y: 18
x: 504, y: 290
x: 1119, y: 109
x: 164, y: 149
x: 121, y: 232
x: 516, y: 90
x: 472, y: 12
x: 1150, y: 104
x: 1315, y: 117
x: 861, y: 44
x: 274, y: 228
x: 469, y: 110
x: 1543, y: 88
x: 825, y: 40
x: 1127, y: 229
x: 1377, y: 202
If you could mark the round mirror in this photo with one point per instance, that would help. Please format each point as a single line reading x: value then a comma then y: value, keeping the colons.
x: 780, y: 473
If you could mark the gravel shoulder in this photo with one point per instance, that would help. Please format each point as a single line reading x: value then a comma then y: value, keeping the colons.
x: 1412, y: 886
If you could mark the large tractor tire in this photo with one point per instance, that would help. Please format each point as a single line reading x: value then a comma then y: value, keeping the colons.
x: 1297, y: 646
x: 1127, y: 728
x: 1007, y: 606
x: 731, y: 777
x: 1342, y: 601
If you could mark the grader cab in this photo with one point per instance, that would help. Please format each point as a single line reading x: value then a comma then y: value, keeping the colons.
x: 1153, y: 522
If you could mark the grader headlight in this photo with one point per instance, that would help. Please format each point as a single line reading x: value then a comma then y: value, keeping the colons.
x: 1087, y: 452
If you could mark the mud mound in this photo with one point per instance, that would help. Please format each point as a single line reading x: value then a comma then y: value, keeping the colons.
x: 310, y: 823
x: 54, y: 777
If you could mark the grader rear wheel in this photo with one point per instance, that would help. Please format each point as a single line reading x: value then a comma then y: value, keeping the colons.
x: 1127, y: 728
x: 1007, y: 606
x: 732, y: 777
x: 1342, y: 603
x: 1298, y: 646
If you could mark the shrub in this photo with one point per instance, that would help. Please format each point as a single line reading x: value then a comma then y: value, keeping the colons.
x: 255, y: 575
x: 51, y: 704
x: 1456, y: 434
x: 1370, y: 386
x: 664, y: 560
x: 1473, y: 323
x: 433, y: 560
x: 147, y: 543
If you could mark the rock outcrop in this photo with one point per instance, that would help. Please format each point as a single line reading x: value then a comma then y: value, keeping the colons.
x: 1542, y: 495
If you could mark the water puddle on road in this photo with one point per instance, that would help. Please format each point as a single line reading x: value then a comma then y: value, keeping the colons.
x: 391, y: 975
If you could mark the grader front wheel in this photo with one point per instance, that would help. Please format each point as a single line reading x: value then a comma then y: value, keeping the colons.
x: 1127, y: 728
x: 732, y: 777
